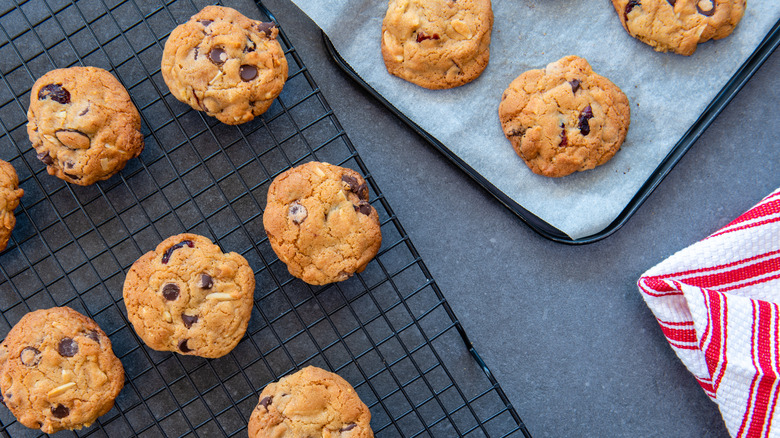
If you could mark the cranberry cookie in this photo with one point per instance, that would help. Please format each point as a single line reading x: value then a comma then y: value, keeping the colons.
x: 679, y: 25
x: 320, y: 224
x: 437, y: 43
x: 58, y: 371
x: 83, y: 124
x: 310, y: 403
x: 225, y: 64
x: 564, y: 118
x: 189, y: 297
x: 10, y: 194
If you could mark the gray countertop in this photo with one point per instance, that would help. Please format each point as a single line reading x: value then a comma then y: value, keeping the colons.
x: 563, y: 328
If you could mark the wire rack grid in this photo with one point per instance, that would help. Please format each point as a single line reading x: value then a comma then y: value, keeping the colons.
x: 388, y: 331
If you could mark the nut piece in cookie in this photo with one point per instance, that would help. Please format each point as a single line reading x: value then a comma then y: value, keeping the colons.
x: 564, y: 118
x: 10, y: 194
x: 437, y: 44
x: 320, y: 224
x: 679, y: 25
x: 310, y: 403
x: 189, y: 297
x: 225, y: 64
x: 83, y: 124
x: 58, y: 371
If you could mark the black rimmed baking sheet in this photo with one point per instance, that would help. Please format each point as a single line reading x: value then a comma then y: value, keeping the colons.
x: 464, y: 158
x: 388, y: 331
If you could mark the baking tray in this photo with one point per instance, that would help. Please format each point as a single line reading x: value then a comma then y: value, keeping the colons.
x: 737, y: 81
x: 388, y: 331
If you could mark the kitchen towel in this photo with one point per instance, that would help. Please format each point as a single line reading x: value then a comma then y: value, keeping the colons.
x: 717, y: 303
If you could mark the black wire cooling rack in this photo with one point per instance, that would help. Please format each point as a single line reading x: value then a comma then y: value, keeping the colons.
x: 388, y: 331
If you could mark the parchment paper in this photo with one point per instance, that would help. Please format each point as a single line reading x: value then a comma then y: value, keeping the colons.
x: 667, y: 93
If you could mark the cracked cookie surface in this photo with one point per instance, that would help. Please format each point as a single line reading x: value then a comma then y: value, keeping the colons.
x: 189, y: 297
x: 320, y: 224
x: 225, y: 64
x: 437, y: 44
x: 564, y: 118
x: 58, y: 371
x: 679, y: 25
x: 311, y: 403
x: 10, y: 194
x: 83, y: 124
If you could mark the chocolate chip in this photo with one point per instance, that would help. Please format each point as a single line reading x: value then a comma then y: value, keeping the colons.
x: 359, y: 189
x: 217, y: 55
x: 517, y: 132
x: 564, y: 140
x: 30, y: 356
x: 247, y: 72
x: 72, y: 138
x: 167, y: 255
x: 84, y: 113
x: 72, y: 176
x: 348, y: 428
x: 189, y: 320
x: 266, y: 27
x: 69, y: 165
x: 60, y: 411
x: 586, y: 115
x: 575, y: 85
x: 54, y: 91
x: 630, y: 6
x: 205, y: 281
x: 297, y: 213
x: 183, y: 346
x: 266, y: 401
x: 250, y: 46
x: 421, y: 36
x: 671, y: 2
x: 706, y: 12
x: 364, y: 207
x: 45, y: 158
x: 205, y: 23
x: 196, y: 54
x: 362, y: 192
x: 68, y: 347
x: 92, y: 334
x: 170, y: 291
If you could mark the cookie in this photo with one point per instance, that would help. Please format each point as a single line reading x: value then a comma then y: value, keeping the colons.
x: 189, y: 297
x: 58, y: 371
x: 10, y: 194
x: 679, y: 25
x: 320, y: 224
x: 83, y: 124
x: 310, y: 403
x: 225, y: 64
x: 437, y: 44
x: 564, y: 118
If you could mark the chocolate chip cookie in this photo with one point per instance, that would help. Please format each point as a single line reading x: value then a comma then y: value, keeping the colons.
x: 564, y: 118
x: 83, y: 124
x: 225, y: 64
x: 679, y: 25
x: 437, y: 44
x: 58, y: 371
x: 189, y: 297
x: 310, y: 403
x: 320, y: 223
x: 10, y: 194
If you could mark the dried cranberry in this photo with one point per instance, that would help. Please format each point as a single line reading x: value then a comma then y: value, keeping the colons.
x: 630, y: 6
x: 421, y: 36
x: 586, y: 115
x: 54, y: 91
x: 564, y: 140
x: 167, y: 255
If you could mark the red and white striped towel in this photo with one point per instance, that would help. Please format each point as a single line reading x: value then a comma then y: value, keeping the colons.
x: 718, y: 303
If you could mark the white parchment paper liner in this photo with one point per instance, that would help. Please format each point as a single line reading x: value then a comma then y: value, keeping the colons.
x: 667, y: 93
